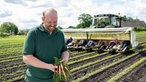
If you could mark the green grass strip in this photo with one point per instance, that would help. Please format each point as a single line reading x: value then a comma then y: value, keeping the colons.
x: 9, y: 68
x: 76, y: 52
x: 14, y: 79
x: 83, y: 59
x: 81, y: 55
x: 10, y: 60
x: 11, y: 57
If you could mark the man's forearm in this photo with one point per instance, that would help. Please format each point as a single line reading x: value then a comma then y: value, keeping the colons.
x: 65, y: 56
x: 33, y: 61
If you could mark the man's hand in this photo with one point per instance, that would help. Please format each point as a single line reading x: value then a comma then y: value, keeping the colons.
x: 64, y: 61
x: 52, y: 67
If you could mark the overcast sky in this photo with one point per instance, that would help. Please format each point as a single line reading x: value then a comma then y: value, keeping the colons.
x: 27, y: 13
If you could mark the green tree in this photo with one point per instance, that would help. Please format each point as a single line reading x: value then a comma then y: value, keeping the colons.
x: 79, y: 26
x: 8, y: 27
x: 85, y: 20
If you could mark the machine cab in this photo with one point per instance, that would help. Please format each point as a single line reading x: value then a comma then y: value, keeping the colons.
x: 106, y: 21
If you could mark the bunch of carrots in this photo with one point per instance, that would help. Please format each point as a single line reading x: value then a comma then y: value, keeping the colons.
x: 62, y: 72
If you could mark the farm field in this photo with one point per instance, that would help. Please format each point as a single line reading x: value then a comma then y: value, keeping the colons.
x: 84, y: 66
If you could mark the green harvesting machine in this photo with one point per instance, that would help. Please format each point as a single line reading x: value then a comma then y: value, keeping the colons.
x: 105, y: 27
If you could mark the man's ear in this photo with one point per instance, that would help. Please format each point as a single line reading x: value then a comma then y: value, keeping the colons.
x: 43, y: 18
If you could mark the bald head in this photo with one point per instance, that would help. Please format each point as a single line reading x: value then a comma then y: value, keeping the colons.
x: 50, y: 11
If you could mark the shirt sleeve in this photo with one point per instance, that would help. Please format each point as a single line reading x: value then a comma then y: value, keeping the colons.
x: 64, y: 48
x: 29, y: 43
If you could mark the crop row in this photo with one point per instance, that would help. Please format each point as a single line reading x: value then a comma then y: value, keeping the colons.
x: 91, y: 75
x: 89, y: 64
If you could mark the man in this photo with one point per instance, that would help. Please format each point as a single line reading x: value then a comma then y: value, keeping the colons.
x: 42, y: 44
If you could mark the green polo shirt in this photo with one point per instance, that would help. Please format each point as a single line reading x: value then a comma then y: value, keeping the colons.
x: 45, y: 47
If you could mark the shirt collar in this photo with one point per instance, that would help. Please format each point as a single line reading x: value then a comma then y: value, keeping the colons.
x: 41, y: 27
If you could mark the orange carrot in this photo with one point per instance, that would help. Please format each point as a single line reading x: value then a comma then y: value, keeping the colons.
x: 59, y: 68
x: 66, y: 69
x: 63, y: 71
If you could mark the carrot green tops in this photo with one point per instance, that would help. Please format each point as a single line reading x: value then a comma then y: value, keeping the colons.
x: 45, y: 47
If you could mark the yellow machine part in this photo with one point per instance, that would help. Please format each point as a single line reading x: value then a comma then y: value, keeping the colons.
x: 98, y: 36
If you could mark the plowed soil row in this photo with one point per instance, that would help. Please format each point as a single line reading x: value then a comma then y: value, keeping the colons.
x: 104, y: 75
x: 78, y: 73
x: 74, y: 53
x: 73, y: 65
x: 138, y: 74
